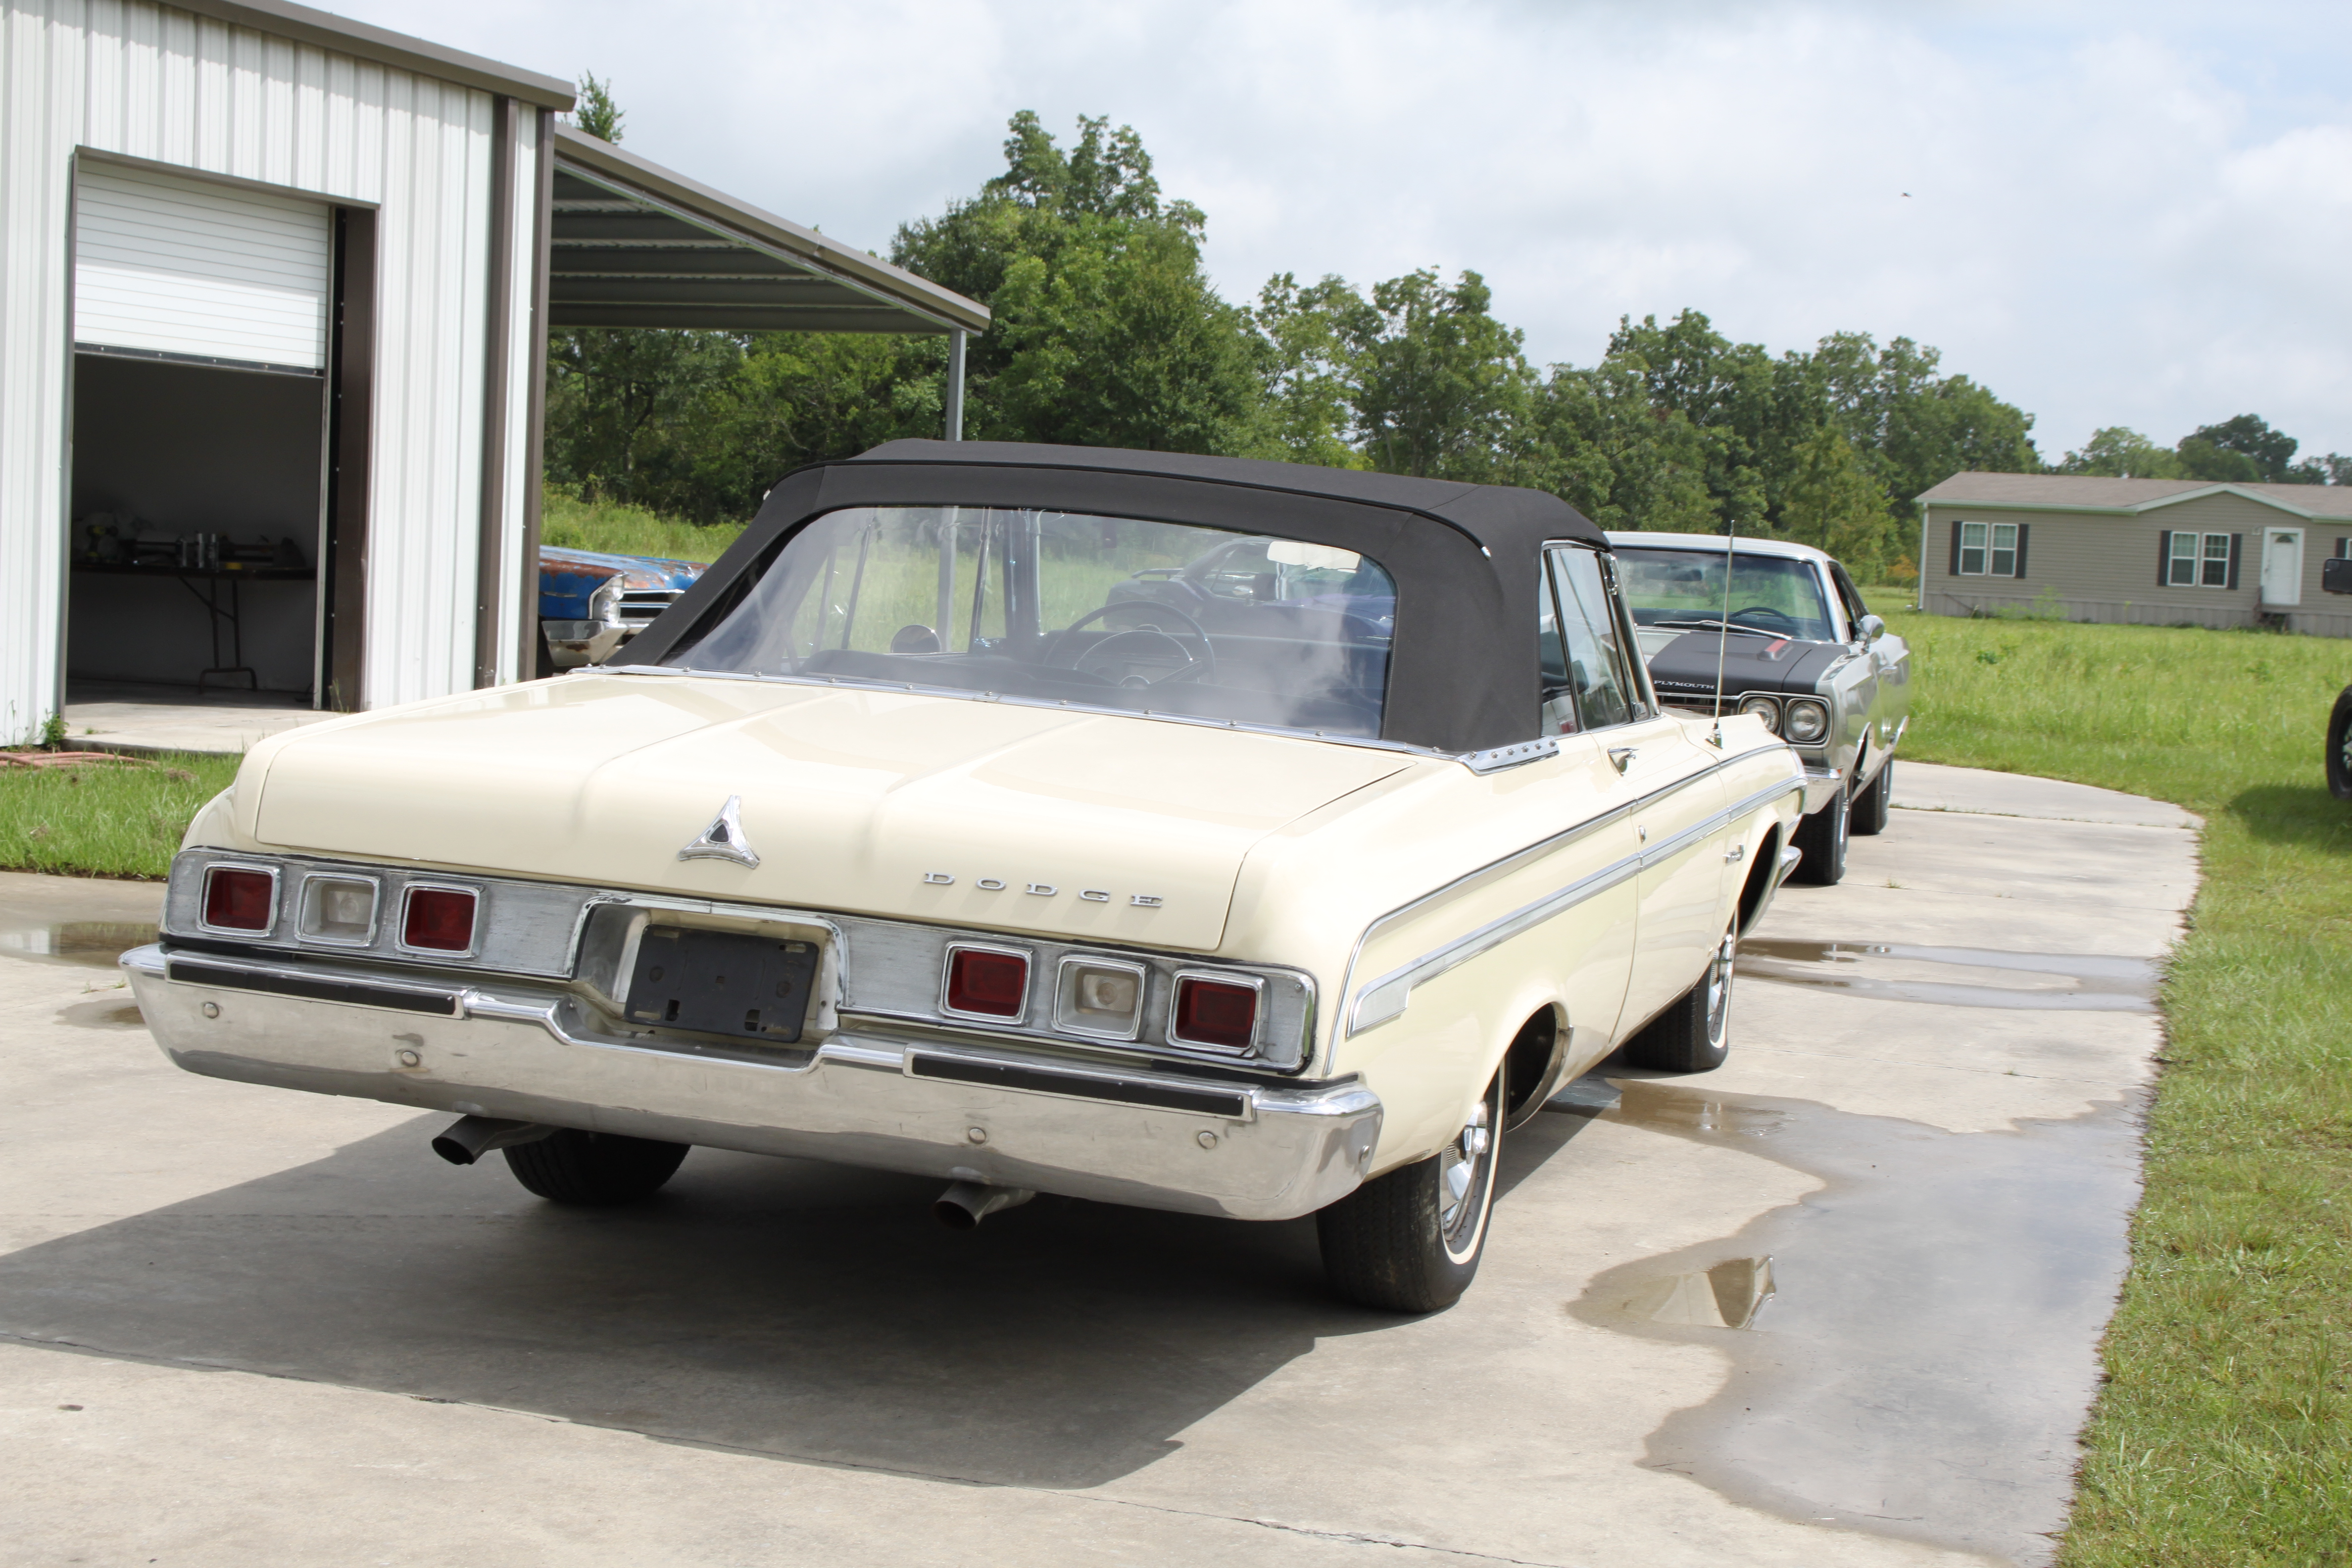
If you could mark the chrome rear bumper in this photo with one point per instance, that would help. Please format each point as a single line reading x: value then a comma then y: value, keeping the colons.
x: 1004, y: 1117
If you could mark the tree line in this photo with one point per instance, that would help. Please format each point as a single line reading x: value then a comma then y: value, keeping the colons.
x: 1107, y: 331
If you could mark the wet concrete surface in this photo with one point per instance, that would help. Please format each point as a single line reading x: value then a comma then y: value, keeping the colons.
x: 1905, y: 972
x: 238, y: 1324
x: 84, y: 921
x: 1922, y: 1363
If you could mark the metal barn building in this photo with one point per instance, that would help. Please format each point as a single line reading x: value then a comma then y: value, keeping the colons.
x: 273, y: 317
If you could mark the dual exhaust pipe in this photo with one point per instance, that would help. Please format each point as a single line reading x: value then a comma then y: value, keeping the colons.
x: 961, y: 1207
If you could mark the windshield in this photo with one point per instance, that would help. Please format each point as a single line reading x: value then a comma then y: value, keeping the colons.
x: 1771, y: 595
x: 1108, y: 612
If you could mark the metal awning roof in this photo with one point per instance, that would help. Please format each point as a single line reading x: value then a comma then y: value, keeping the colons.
x: 637, y: 246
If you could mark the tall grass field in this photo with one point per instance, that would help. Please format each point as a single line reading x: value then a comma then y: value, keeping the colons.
x: 620, y: 530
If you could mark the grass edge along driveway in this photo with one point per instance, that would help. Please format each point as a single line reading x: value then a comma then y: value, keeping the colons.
x: 2223, y: 1433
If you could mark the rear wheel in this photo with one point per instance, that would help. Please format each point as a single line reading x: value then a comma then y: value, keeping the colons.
x: 2339, y: 746
x: 1871, y: 809
x: 1821, y: 839
x: 1694, y: 1034
x: 1410, y: 1241
x: 597, y: 1170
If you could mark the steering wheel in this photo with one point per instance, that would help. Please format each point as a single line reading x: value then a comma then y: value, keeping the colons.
x: 1769, y: 612
x: 1136, y: 639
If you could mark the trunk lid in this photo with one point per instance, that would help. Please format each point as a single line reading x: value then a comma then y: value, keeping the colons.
x: 855, y: 800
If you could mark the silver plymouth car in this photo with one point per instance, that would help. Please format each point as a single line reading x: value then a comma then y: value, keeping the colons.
x: 1797, y: 648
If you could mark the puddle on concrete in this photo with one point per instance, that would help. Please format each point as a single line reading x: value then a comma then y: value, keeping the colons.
x: 1930, y: 1348
x: 95, y: 944
x: 1899, y: 971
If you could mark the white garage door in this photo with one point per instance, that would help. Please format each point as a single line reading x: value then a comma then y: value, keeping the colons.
x: 198, y: 270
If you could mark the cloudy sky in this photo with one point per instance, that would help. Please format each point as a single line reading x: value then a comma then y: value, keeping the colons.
x: 2136, y: 214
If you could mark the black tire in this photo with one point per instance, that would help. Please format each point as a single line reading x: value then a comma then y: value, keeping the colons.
x: 1389, y: 1244
x: 1873, y: 805
x: 1820, y: 837
x: 1694, y: 1034
x: 597, y: 1170
x: 2339, y: 746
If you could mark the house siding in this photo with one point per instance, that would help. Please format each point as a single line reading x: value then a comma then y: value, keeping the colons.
x: 2102, y: 566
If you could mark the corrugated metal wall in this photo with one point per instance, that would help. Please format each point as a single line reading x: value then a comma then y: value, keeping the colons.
x: 149, y: 82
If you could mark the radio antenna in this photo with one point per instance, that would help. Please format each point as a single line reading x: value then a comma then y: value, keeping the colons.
x: 1722, y: 629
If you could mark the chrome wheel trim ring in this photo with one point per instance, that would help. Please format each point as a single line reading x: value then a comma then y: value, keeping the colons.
x: 1465, y: 1177
x: 1718, y: 986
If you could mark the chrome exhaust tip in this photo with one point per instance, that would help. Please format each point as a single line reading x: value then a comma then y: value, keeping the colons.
x: 964, y: 1204
x: 469, y: 1138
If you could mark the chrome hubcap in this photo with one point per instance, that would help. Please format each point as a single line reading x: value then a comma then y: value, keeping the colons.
x: 1718, y: 986
x: 1458, y: 1173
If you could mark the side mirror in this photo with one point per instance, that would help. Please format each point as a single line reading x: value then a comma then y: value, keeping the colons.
x: 1873, y: 629
x: 2336, y: 575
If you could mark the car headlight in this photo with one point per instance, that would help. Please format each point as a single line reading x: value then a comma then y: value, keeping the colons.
x: 1807, y: 721
x: 1763, y: 707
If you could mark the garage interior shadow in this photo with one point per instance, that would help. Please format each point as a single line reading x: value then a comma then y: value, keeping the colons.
x: 786, y: 1307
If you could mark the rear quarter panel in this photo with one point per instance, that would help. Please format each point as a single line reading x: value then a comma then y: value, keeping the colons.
x: 1308, y: 895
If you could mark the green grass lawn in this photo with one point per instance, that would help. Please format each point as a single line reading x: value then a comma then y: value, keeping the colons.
x: 565, y: 519
x: 2224, y: 1433
x: 105, y: 819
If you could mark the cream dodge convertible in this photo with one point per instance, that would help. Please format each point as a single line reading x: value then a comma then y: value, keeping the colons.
x: 958, y: 822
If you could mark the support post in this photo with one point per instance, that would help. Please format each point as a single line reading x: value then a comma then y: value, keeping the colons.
x: 534, y: 434
x: 489, y: 552
x: 955, y: 386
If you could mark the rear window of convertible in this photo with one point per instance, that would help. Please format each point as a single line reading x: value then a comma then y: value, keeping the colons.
x: 1117, y: 613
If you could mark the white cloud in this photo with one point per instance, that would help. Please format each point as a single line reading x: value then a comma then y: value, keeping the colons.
x: 2117, y: 214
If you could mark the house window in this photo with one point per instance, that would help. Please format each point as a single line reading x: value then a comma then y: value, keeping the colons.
x: 1988, y: 550
x: 2199, y: 561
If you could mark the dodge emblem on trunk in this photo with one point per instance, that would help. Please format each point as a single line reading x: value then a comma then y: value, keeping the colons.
x: 723, y: 839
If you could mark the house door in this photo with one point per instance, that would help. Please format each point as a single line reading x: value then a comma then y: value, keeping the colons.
x: 2281, y: 568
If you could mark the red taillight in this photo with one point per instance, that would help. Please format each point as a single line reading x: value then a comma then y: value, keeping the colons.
x: 1217, y: 1012
x: 439, y: 919
x: 990, y: 984
x: 239, y: 900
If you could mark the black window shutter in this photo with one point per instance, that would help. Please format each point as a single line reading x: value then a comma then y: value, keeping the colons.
x: 2236, y: 540
x: 2163, y: 558
x: 1956, y: 548
x: 2339, y: 547
x: 2022, y: 529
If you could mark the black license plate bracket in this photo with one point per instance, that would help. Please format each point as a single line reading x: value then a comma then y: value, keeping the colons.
x: 738, y: 983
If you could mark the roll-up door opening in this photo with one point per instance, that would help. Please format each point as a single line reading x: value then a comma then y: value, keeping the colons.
x: 202, y: 317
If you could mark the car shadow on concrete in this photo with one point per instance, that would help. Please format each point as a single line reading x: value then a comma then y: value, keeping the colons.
x: 775, y: 1306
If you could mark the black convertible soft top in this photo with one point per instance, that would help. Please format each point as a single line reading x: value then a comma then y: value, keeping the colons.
x: 1466, y: 559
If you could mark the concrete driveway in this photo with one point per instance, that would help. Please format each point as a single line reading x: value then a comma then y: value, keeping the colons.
x: 241, y: 1326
